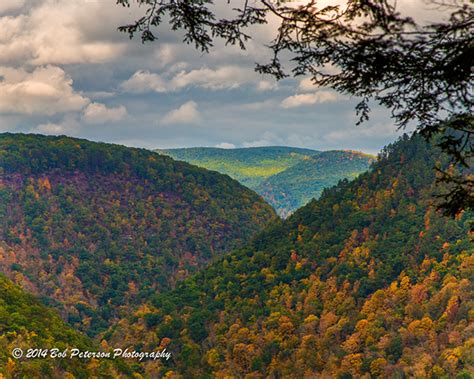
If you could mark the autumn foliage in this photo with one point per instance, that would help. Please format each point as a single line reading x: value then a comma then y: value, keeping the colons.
x: 97, y: 228
x: 368, y: 281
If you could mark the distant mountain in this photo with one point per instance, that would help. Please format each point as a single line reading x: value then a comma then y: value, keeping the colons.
x: 286, y: 177
x: 27, y: 324
x: 368, y: 281
x: 306, y: 180
x: 96, y: 228
x: 250, y: 166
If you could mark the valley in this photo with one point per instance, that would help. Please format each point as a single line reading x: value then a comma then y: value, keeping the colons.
x: 286, y: 177
x: 97, y: 228
x: 108, y: 247
x: 369, y: 280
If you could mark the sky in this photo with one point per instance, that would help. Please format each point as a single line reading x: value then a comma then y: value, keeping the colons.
x: 65, y: 69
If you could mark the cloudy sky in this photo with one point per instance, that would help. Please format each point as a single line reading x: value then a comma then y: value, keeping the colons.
x: 65, y: 69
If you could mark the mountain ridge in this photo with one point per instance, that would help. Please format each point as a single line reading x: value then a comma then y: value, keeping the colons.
x: 98, y: 227
x: 368, y: 280
x: 274, y: 171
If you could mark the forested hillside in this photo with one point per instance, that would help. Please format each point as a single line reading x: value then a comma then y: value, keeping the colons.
x: 96, y: 228
x: 306, y: 180
x: 286, y: 177
x: 369, y: 280
x: 25, y: 324
x: 250, y: 166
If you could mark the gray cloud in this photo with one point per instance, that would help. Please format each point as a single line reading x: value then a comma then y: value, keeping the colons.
x: 46, y: 90
x: 144, y: 81
x: 220, y: 78
x: 97, y: 113
x: 53, y: 32
x: 186, y: 114
x: 68, y: 125
x: 76, y: 74
x: 319, y: 97
x: 11, y: 5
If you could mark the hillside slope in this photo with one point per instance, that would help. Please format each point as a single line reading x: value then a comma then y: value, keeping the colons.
x: 286, y: 177
x: 369, y: 280
x: 250, y: 166
x: 25, y: 324
x: 100, y: 227
x: 306, y: 180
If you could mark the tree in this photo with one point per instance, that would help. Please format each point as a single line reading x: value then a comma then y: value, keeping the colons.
x: 367, y: 49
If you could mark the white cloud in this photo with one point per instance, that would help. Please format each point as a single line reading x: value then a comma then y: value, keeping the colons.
x: 362, y: 131
x: 185, y: 114
x: 225, y: 145
x: 69, y: 125
x: 222, y: 78
x: 99, y: 94
x: 266, y: 85
x: 11, y: 5
x: 310, y: 99
x: 59, y: 32
x: 306, y: 85
x: 83, y: 32
x: 144, y: 81
x: 165, y: 54
x: 47, y: 91
x: 226, y: 77
x: 51, y: 128
x: 268, y: 139
x: 97, y: 113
